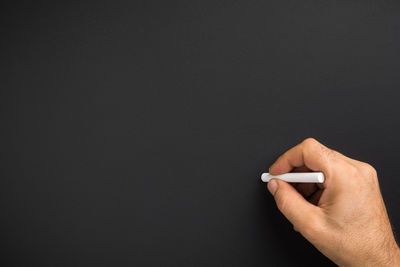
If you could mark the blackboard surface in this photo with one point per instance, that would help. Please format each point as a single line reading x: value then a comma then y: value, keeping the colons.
x: 134, y: 133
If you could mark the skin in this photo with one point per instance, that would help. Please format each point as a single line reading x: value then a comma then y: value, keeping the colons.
x: 345, y: 217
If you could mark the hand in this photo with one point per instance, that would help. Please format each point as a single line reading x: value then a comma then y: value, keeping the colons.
x: 345, y: 218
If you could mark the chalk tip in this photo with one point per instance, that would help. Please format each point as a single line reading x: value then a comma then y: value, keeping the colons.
x: 264, y: 177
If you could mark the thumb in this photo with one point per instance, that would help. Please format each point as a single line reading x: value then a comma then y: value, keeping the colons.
x: 302, y: 214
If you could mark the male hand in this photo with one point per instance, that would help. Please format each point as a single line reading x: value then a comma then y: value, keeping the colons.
x: 345, y: 217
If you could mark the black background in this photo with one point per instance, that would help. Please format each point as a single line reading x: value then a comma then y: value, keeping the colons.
x: 135, y: 133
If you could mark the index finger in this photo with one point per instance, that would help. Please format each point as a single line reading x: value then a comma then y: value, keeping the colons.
x: 309, y: 153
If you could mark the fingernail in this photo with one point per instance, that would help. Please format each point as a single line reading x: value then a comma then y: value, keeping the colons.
x: 272, y: 186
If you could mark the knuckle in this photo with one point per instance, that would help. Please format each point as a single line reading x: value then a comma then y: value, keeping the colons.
x: 369, y: 171
x: 330, y: 152
x: 308, y: 230
x: 352, y: 171
x: 311, y: 228
x: 352, y: 178
x: 310, y: 142
x: 311, y: 145
x: 282, y: 202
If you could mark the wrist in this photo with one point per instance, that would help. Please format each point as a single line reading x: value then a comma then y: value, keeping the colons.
x: 390, y: 256
x: 386, y: 256
x: 396, y: 258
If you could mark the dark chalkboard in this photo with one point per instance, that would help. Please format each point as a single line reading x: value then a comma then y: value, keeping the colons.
x: 135, y: 133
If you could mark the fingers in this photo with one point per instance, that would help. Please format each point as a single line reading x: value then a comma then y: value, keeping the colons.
x: 305, y: 189
x: 310, y: 153
x: 293, y: 206
x: 301, y: 169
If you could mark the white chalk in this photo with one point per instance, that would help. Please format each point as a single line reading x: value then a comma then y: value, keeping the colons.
x: 296, y: 177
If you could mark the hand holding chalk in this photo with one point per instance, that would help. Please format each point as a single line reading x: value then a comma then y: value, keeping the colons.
x: 345, y: 218
x: 296, y: 177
